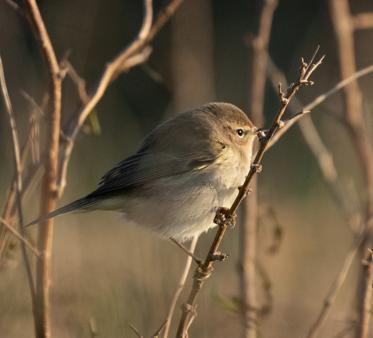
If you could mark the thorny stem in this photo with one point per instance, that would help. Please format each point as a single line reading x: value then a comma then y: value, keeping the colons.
x: 204, y: 271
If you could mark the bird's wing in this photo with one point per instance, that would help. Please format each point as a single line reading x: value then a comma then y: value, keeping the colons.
x: 162, y: 156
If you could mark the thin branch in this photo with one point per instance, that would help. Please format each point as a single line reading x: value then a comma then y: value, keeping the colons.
x: 224, y: 217
x: 248, y: 230
x: 190, y: 253
x: 160, y: 329
x: 136, y: 331
x: 180, y: 287
x: 12, y: 4
x: 321, y: 153
x: 357, y: 127
x: 20, y: 237
x: 18, y: 178
x: 318, y: 100
x: 49, y: 192
x: 362, y: 21
x: 335, y: 287
x: 121, y: 63
x: 73, y: 125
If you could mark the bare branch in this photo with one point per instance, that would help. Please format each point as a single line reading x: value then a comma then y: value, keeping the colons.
x: 335, y: 287
x: 320, y: 99
x: 248, y: 236
x: 180, y: 287
x: 190, y: 253
x: 136, y: 52
x: 362, y: 21
x: 20, y: 237
x: 160, y: 329
x: 136, y: 331
x: 224, y: 217
x: 18, y: 178
x: 71, y: 125
x: 357, y: 127
x: 49, y: 193
x: 323, y: 156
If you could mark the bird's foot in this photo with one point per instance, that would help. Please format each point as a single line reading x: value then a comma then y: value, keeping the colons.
x: 223, y: 217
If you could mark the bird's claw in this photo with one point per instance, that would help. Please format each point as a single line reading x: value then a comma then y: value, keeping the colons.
x: 224, y: 217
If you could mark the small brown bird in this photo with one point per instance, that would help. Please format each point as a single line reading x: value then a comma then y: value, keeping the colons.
x: 184, y: 170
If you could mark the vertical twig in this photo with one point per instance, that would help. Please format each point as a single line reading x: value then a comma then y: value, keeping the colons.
x: 248, y: 236
x: 18, y: 181
x: 20, y: 237
x: 49, y: 191
x: 72, y: 127
x: 180, y: 287
x: 223, y: 218
x: 344, y: 30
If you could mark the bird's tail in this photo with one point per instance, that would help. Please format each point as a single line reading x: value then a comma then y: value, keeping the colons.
x: 82, y: 204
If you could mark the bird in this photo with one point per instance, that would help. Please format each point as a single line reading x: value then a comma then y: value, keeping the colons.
x: 184, y: 170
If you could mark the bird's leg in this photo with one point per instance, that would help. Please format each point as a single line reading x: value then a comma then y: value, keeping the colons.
x: 187, y: 251
x: 224, y: 217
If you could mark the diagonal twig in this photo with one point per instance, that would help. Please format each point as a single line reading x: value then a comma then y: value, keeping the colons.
x: 248, y: 231
x: 223, y: 218
x: 180, y: 287
x: 118, y: 65
x: 25, y: 241
x: 318, y: 100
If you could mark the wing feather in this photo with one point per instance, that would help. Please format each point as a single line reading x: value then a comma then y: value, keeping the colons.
x: 164, y: 154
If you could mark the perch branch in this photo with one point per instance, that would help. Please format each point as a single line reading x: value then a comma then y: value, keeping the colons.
x: 224, y: 217
x: 330, y: 175
x: 248, y: 236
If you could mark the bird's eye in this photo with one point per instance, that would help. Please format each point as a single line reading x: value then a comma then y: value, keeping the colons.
x: 240, y: 132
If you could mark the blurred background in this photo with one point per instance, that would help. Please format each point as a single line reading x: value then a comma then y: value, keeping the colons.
x: 114, y: 275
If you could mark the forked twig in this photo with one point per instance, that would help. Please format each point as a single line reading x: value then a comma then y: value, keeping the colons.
x: 318, y: 100
x: 24, y: 240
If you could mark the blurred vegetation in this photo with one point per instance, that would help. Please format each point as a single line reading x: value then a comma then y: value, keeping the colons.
x: 117, y: 275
